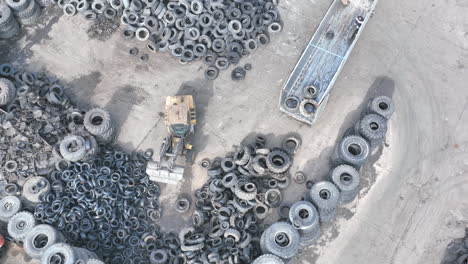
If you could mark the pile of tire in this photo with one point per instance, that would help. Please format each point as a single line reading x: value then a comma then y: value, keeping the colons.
x: 41, y: 241
x: 26, y: 11
x: 219, y: 32
x: 457, y: 251
x: 231, y: 207
x: 8, y: 24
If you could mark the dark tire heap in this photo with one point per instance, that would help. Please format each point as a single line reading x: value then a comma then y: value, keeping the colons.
x: 457, y: 251
x: 231, y: 206
x: 47, y: 130
x: 219, y: 32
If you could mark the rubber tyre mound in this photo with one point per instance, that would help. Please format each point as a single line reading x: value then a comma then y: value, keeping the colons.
x: 18, y: 5
x: 20, y: 224
x: 353, y: 150
x: 278, y: 161
x: 346, y: 178
x: 271, y: 235
x: 268, y: 259
x: 373, y: 128
x: 40, y: 232
x: 7, y: 91
x: 66, y: 253
x: 325, y: 195
x: 73, y: 155
x: 9, y: 206
x: 97, y: 121
x: 381, y: 105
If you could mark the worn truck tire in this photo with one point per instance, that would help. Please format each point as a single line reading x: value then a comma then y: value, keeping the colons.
x: 97, y: 121
x: 346, y: 179
x: 5, y: 20
x: 9, y: 206
x: 381, y: 105
x: 29, y: 11
x: 18, y: 5
x: 304, y: 216
x: 325, y: 195
x: 59, y: 253
x: 353, y: 150
x: 79, y: 148
x: 20, y: 224
x: 281, y: 239
x: 39, y: 239
x: 373, y: 127
x: 245, y: 191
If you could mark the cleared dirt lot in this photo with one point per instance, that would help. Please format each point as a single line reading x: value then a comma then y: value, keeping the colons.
x: 414, y: 196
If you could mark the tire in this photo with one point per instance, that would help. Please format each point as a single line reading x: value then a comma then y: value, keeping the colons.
x: 229, y: 180
x: 79, y: 151
x: 31, y: 20
x: 29, y: 11
x: 228, y: 165
x: 39, y: 239
x: 6, y: 16
x: 304, y: 216
x: 373, y: 127
x: 9, y: 206
x: 292, y: 143
x: 261, y: 211
x: 259, y: 164
x: 242, y: 193
x: 281, y: 239
x: 325, y: 197
x: 7, y: 91
x: 108, y: 136
x: 97, y: 121
x: 346, y: 179
x: 158, y: 256
x: 353, y: 150
x: 276, y: 194
x: 59, y: 251
x: 18, y: 5
x: 32, y: 192
x: 381, y: 105
x: 242, y: 156
x: 182, y: 205
x: 278, y: 161
x: 268, y: 259
x: 13, y: 29
x: 20, y: 224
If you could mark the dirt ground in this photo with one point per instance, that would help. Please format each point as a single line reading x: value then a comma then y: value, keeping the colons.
x: 414, y: 193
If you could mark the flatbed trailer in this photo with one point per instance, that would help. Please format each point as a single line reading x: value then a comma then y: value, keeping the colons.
x: 305, y: 93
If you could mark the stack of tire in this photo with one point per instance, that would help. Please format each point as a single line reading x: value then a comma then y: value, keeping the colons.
x: 280, y: 239
x: 8, y: 24
x: 98, y: 123
x: 304, y: 217
x: 26, y: 11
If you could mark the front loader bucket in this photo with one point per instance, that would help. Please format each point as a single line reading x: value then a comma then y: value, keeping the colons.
x: 162, y: 174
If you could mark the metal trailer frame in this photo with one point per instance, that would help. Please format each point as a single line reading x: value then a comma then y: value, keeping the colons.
x: 323, y: 59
